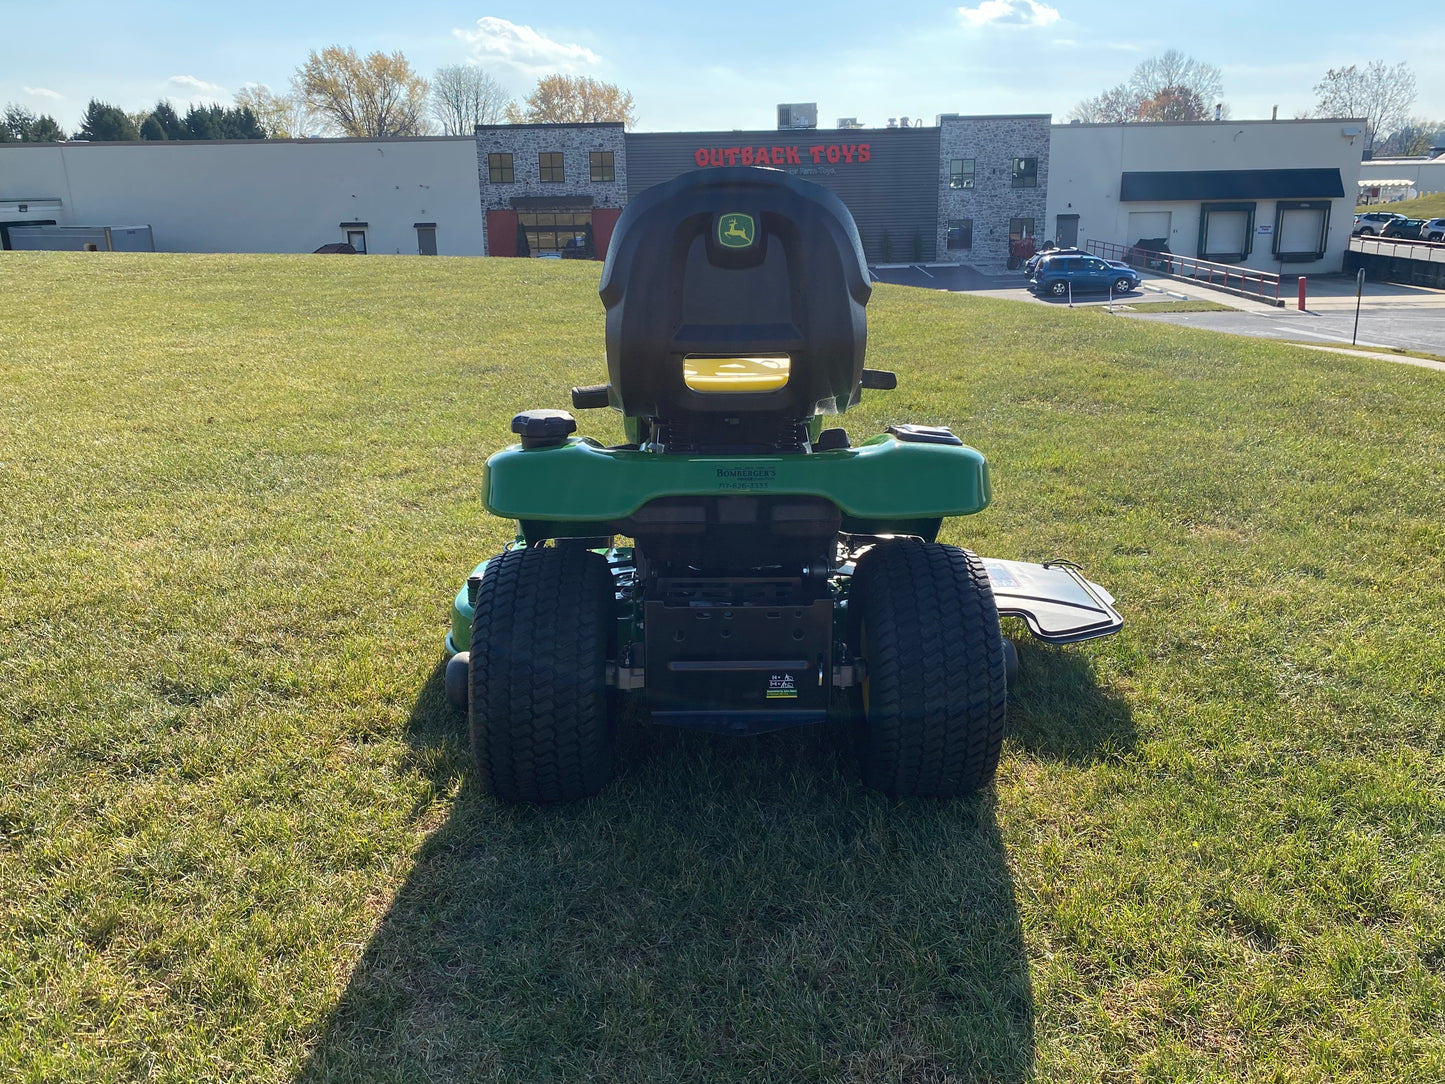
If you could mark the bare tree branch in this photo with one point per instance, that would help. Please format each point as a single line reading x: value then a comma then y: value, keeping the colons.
x: 1380, y: 95
x: 1168, y: 87
x: 463, y: 96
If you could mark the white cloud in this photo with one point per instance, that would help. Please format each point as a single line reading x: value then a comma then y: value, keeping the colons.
x: 1010, y: 13
x: 41, y: 92
x: 197, y: 86
x: 497, y: 42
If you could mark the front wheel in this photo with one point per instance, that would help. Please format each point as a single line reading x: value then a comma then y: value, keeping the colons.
x: 1058, y: 289
x: 1436, y: 237
x: 935, y: 685
x: 538, y: 707
x: 1123, y: 286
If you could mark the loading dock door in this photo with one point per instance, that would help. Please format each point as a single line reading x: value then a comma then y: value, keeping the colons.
x: 1226, y: 234
x: 1148, y: 224
x: 1301, y: 233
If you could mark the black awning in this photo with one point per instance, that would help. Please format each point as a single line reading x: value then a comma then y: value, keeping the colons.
x: 551, y: 203
x: 1225, y: 184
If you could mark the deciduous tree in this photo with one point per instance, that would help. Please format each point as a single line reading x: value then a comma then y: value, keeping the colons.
x: 1177, y: 103
x: 1416, y: 136
x: 1378, y: 94
x: 574, y: 99
x: 283, y: 116
x: 377, y: 96
x: 464, y: 95
x: 1167, y: 87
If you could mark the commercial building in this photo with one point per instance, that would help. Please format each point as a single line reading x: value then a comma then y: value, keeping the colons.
x: 1384, y: 180
x: 1269, y: 195
x: 1258, y: 193
x: 281, y: 195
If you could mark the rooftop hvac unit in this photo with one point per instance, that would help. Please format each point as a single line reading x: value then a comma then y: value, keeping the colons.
x: 849, y: 122
x: 798, y: 115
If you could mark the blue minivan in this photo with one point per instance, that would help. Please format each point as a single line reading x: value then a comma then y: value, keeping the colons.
x: 1054, y: 275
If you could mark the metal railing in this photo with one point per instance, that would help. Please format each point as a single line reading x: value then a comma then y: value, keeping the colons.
x: 1228, y: 276
x: 1400, y: 248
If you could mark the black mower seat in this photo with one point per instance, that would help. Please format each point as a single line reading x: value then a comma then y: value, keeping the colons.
x: 735, y: 308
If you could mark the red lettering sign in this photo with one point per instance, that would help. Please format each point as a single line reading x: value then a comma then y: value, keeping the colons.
x: 832, y: 153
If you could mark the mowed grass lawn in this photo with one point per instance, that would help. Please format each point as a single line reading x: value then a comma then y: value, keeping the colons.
x: 241, y: 837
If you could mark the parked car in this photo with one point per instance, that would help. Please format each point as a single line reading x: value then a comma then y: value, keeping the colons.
x: 1372, y: 222
x: 1033, y: 261
x: 1433, y: 230
x: 1055, y: 275
x: 1406, y: 228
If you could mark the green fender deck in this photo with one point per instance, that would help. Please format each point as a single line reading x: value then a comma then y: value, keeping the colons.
x: 885, y: 479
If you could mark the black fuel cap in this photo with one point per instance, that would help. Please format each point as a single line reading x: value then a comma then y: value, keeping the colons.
x: 544, y: 428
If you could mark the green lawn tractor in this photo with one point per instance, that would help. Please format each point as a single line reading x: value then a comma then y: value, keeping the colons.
x: 777, y: 575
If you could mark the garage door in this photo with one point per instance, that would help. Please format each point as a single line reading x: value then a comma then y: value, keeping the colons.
x: 1301, y: 232
x: 1224, y: 233
x: 1148, y: 224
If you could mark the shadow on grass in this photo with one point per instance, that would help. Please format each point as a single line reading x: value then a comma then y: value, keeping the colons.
x: 727, y: 909
x: 1060, y: 711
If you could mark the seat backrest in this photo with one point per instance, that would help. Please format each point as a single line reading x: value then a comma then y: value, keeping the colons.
x: 739, y: 262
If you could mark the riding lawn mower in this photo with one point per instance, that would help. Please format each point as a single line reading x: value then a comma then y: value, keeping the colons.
x: 778, y: 575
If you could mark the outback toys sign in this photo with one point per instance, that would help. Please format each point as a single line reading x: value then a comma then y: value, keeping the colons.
x: 831, y: 153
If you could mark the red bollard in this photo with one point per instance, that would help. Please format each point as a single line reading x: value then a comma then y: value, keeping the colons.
x: 1301, y: 293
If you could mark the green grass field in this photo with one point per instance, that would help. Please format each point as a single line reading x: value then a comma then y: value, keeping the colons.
x: 1431, y: 206
x: 239, y: 837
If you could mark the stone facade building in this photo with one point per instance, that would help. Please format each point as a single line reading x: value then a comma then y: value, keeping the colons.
x: 550, y: 187
x: 993, y: 174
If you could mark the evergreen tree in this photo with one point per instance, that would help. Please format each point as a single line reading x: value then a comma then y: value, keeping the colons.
x: 203, y: 122
x: 167, y: 124
x: 104, y: 123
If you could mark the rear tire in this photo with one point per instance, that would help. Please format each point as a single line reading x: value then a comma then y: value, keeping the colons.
x: 538, y: 706
x: 935, y: 686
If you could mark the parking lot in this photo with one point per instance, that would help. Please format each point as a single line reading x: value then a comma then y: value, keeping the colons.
x: 1391, y: 315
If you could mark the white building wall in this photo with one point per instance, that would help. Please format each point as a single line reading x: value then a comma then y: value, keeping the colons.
x: 1087, y: 162
x: 257, y: 196
x: 1426, y: 175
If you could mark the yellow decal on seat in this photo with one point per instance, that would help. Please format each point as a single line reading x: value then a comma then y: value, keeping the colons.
x: 736, y: 374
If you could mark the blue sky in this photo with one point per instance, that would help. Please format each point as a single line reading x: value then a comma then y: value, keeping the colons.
x: 727, y: 65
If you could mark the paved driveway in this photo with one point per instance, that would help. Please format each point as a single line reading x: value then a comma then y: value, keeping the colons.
x: 1391, y: 315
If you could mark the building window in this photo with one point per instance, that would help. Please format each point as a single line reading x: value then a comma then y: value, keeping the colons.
x: 960, y: 173
x: 603, y: 168
x: 960, y: 233
x: 1019, y: 228
x: 499, y: 169
x: 1026, y: 173
x: 567, y: 232
x: 426, y: 238
x: 549, y: 163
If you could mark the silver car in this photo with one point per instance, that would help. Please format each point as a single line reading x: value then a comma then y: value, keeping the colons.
x: 1433, y: 230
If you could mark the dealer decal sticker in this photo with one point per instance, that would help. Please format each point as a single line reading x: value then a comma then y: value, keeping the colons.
x: 782, y: 687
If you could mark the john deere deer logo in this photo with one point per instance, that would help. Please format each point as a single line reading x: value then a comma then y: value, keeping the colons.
x: 736, y: 230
